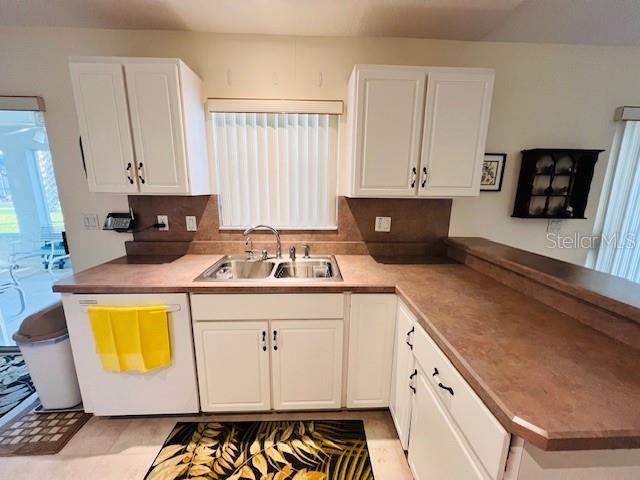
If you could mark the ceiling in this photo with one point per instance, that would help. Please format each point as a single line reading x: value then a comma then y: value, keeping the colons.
x: 599, y: 22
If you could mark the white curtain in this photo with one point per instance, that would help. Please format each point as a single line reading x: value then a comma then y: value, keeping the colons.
x: 619, y: 250
x: 276, y: 168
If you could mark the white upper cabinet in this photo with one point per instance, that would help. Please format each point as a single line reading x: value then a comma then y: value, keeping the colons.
x: 417, y: 131
x: 142, y: 125
x: 455, y: 131
x: 101, y: 105
x: 388, y: 110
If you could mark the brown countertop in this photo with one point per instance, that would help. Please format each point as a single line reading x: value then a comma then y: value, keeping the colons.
x: 547, y: 377
x: 606, y: 291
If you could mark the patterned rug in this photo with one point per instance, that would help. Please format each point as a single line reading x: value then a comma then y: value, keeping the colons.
x: 39, y: 433
x: 292, y: 450
x: 15, y: 382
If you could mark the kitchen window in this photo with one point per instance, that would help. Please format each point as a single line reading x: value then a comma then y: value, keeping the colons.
x: 276, y: 162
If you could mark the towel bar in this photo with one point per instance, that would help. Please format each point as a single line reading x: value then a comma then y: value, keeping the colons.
x: 173, y: 307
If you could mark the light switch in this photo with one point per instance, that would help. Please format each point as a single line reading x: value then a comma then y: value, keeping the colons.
x: 190, y: 220
x: 90, y: 221
x: 383, y: 224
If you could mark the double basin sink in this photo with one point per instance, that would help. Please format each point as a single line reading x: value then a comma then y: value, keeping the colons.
x: 238, y: 267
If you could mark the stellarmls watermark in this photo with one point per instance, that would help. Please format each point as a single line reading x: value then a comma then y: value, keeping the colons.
x: 580, y: 240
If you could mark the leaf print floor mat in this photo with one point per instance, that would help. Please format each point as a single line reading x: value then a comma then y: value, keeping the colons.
x: 15, y: 382
x: 274, y: 450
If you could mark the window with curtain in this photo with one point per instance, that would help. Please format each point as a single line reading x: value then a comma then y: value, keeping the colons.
x: 276, y: 168
x: 619, y: 246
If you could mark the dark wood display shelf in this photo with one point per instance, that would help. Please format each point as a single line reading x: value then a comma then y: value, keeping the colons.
x: 576, y: 172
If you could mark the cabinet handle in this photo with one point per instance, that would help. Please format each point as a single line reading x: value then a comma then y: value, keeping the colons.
x: 424, y: 177
x: 415, y: 372
x: 84, y: 163
x: 440, y: 384
x: 444, y: 387
x: 275, y: 340
x: 414, y: 173
x: 264, y: 341
x: 140, y: 172
x: 128, y: 169
x: 413, y: 329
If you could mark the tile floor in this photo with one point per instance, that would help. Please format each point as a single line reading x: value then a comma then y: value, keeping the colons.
x: 123, y: 449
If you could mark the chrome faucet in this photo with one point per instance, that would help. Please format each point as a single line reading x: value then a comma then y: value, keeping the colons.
x: 272, y: 230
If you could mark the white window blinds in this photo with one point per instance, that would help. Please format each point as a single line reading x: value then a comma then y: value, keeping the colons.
x: 276, y: 168
x: 619, y: 249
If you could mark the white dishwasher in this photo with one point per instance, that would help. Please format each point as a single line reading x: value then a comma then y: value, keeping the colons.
x: 166, y: 390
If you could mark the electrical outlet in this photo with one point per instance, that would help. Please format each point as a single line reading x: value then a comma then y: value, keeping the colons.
x: 383, y: 224
x: 90, y: 221
x: 164, y: 219
x: 190, y: 220
x: 554, y: 225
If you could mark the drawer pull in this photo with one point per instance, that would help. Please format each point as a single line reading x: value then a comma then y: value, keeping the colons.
x: 275, y: 340
x: 413, y: 329
x: 435, y: 372
x: 414, y: 174
x: 444, y: 387
x: 415, y: 372
x: 264, y: 341
x: 412, y: 388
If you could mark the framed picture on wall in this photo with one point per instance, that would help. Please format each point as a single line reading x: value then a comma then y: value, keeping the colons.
x: 492, y: 172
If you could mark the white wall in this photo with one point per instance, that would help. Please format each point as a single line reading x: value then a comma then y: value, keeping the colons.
x: 545, y: 96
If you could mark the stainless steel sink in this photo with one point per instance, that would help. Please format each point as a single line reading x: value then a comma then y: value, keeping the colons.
x: 240, y: 268
x: 311, y: 268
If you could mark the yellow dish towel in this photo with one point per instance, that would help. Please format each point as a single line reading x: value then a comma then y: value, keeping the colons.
x: 131, y: 338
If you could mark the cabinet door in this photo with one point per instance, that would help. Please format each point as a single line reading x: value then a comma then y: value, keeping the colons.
x: 233, y: 365
x: 403, y: 365
x: 306, y: 359
x: 371, y: 334
x: 101, y: 106
x: 156, y: 122
x: 455, y: 132
x: 389, y: 107
x: 436, y: 448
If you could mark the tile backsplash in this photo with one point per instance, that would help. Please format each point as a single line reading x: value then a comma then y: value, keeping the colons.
x: 417, y: 228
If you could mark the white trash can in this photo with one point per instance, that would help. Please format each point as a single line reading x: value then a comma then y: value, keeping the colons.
x: 44, y: 343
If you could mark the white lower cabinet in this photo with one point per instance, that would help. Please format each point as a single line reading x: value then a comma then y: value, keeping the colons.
x: 436, y: 448
x: 233, y: 365
x: 371, y: 335
x: 449, y: 431
x: 403, y: 367
x: 262, y: 352
x: 306, y: 363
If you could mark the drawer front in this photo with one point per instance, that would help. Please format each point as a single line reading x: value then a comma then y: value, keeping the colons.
x: 239, y: 306
x: 488, y: 439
